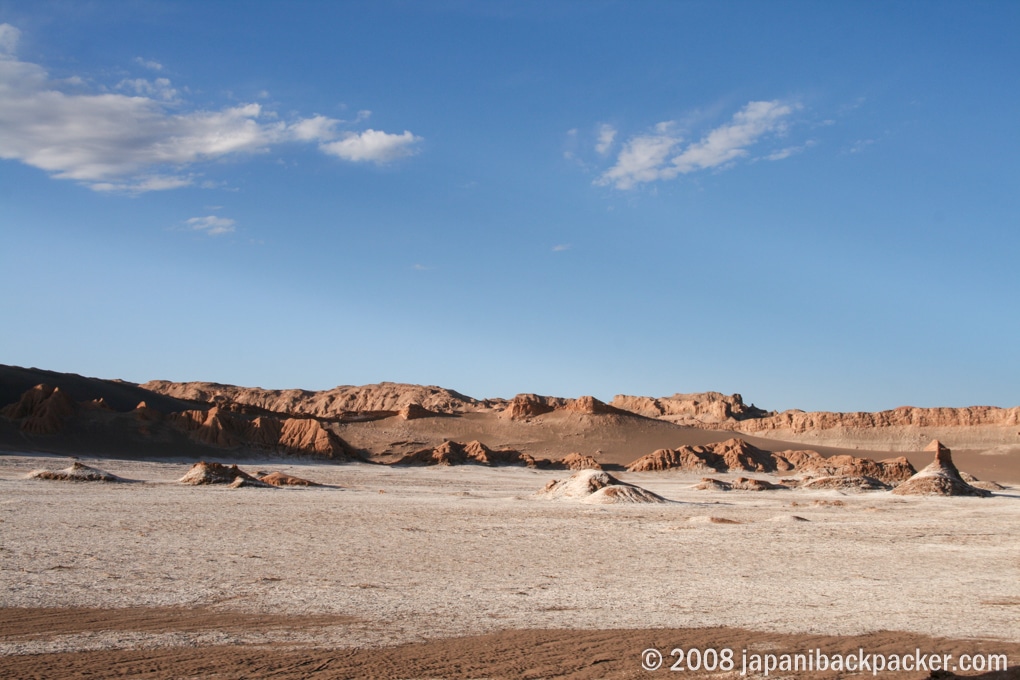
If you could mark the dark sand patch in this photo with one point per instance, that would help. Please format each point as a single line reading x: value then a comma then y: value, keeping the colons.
x: 578, y: 654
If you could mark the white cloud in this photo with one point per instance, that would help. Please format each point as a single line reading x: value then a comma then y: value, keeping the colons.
x: 9, y: 36
x: 149, y: 64
x: 211, y: 225
x: 641, y: 160
x: 159, y: 88
x: 647, y: 158
x: 607, y: 133
x: 314, y: 129
x: 131, y: 141
x: 728, y: 142
x: 559, y: 248
x: 372, y: 145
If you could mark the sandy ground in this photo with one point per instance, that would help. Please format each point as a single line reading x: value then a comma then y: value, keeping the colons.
x: 406, y: 556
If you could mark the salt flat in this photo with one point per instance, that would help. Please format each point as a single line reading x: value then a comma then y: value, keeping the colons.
x: 417, y: 553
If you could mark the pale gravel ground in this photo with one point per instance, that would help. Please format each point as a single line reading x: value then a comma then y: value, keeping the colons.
x: 448, y: 551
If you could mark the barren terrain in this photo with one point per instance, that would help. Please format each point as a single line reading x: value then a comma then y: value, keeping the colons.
x: 403, y: 555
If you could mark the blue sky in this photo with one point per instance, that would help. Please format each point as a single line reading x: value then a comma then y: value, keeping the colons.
x: 813, y: 204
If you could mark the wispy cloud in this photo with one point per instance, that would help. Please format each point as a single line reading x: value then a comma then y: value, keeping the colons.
x: 211, y: 225
x: 786, y: 152
x: 559, y: 248
x: 160, y: 88
x: 149, y: 64
x: 139, y: 138
x: 860, y: 145
x: 661, y: 155
x: 607, y: 133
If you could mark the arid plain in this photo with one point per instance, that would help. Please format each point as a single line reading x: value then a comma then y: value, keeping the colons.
x: 436, y: 544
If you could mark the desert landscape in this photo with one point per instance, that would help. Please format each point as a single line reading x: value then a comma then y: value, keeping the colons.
x: 403, y: 531
x: 509, y: 340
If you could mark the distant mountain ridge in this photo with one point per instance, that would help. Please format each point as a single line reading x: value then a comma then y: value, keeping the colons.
x: 216, y: 413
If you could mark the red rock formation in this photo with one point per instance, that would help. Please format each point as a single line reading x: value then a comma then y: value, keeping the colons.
x: 296, y: 436
x: 143, y: 413
x: 891, y: 471
x: 282, y: 479
x: 332, y: 404
x: 736, y: 455
x: 799, y: 421
x: 414, y: 412
x: 591, y: 406
x: 530, y: 405
x: 577, y: 461
x: 214, y: 427
x: 307, y: 436
x: 702, y: 407
x: 475, y: 452
x: 41, y: 410
x: 730, y: 455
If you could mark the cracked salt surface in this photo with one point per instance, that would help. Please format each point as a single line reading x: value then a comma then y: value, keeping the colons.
x: 466, y: 550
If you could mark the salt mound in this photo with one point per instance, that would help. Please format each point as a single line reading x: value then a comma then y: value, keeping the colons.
x: 596, y: 486
x: 217, y: 473
x: 941, y: 478
x: 739, y: 484
x: 848, y: 483
x: 76, y: 473
x: 282, y: 479
x: 987, y: 486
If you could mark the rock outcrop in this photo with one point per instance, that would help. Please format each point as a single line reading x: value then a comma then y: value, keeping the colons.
x: 844, y: 483
x: 216, y: 473
x: 577, y: 461
x: 941, y: 478
x: 525, y: 406
x: 415, y: 411
x: 592, y: 406
x: 41, y: 410
x: 335, y: 404
x: 890, y: 471
x: 474, y: 452
x: 732, y: 455
x: 530, y: 405
x: 739, y: 484
x: 691, y: 409
x: 736, y: 455
x: 295, y: 436
x: 283, y: 479
x: 597, y: 487
x: 78, y: 472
